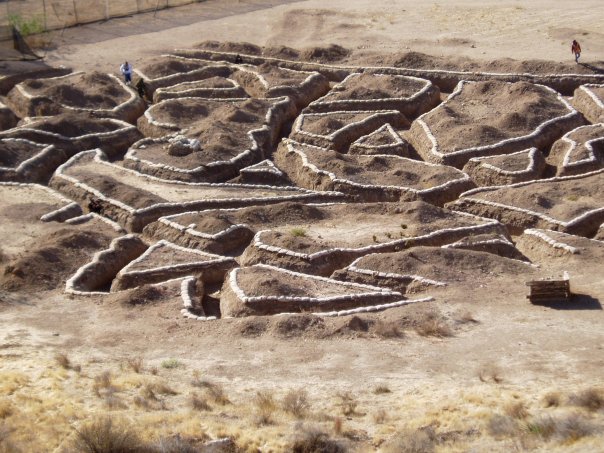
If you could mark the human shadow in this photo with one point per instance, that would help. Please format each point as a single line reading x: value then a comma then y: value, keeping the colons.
x: 576, y: 302
x: 597, y: 69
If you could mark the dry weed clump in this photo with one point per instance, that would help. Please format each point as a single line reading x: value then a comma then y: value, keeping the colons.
x: 516, y: 410
x: 313, y: 440
x: 387, y: 329
x: 591, y: 399
x: 298, y: 232
x: 198, y: 403
x: 430, y: 325
x: 380, y: 416
x: 6, y: 443
x: 64, y: 362
x: 503, y: 426
x: 104, y: 388
x: 171, y: 364
x: 136, y: 364
x: 214, y: 391
x: 6, y: 409
x: 467, y: 318
x: 422, y: 440
x: 105, y: 435
x: 381, y: 389
x: 490, y: 373
x: 347, y: 403
x: 567, y: 428
x: 295, y: 402
x: 552, y: 399
x: 265, y: 406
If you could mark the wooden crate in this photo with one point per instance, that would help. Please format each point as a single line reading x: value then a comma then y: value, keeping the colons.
x: 549, y: 290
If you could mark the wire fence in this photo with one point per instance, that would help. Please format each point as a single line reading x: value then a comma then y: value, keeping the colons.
x: 37, y: 16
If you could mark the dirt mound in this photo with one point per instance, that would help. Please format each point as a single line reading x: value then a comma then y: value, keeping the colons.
x: 328, y: 54
x: 237, y: 47
x: 135, y: 197
x: 74, y: 125
x: 284, y: 52
x: 297, y: 325
x: 166, y: 66
x: 50, y: 260
x: 514, y: 109
x: 141, y: 295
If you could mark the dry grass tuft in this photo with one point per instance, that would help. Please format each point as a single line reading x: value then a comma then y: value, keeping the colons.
x: 516, y: 410
x: 136, y: 364
x: 387, y: 329
x: 6, y: 409
x: 312, y: 440
x: 467, y: 318
x: 298, y: 232
x: 174, y: 444
x: 431, y: 325
x: 573, y: 427
x: 63, y: 361
x: 421, y: 440
x: 103, y: 383
x: 347, y: 403
x: 490, y: 373
x: 591, y: 399
x: 379, y: 416
x: 106, y: 436
x: 296, y: 402
x: 171, y: 364
x: 6, y: 443
x: 502, y: 426
x: 162, y: 389
x: 338, y: 426
x: 265, y: 406
x: 552, y: 399
x: 199, y: 403
x: 381, y: 389
x: 214, y: 391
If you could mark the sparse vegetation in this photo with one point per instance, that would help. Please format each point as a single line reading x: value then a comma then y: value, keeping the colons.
x: 107, y: 436
x: 26, y: 26
x: 421, y: 440
x: 517, y: 410
x: 199, y: 403
x: 313, y: 440
x: 591, y: 399
x: 387, y: 329
x: 171, y: 364
x: 552, y: 399
x: 348, y: 403
x: 265, y: 406
x: 295, y: 402
x: 298, y: 232
x: 490, y: 373
x: 214, y: 391
x: 136, y: 364
x: 430, y: 325
x: 381, y: 389
x: 502, y: 426
x: 64, y: 362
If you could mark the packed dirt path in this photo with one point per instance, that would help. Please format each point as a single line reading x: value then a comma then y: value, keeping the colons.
x: 540, y: 29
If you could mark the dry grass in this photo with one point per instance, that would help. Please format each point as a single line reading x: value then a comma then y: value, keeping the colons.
x: 199, y: 403
x: 381, y: 389
x: 64, y: 362
x: 568, y: 428
x: 591, y: 399
x: 174, y: 444
x: 313, y: 440
x: 215, y: 392
x: 421, y: 440
x: 379, y: 416
x: 107, y: 436
x: 502, y: 426
x: 467, y: 318
x: 295, y: 402
x: 517, y: 410
x: 265, y: 406
x: 387, y: 329
x: 348, y: 403
x: 136, y: 364
x: 298, y: 232
x: 171, y: 364
x: 490, y: 373
x: 552, y: 399
x: 430, y: 325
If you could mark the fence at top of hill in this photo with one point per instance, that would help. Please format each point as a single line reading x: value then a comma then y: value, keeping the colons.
x: 36, y: 16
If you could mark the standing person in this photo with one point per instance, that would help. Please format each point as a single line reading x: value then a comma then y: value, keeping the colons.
x: 576, y: 49
x: 126, y: 70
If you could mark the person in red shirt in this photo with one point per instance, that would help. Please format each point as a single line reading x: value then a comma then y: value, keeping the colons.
x: 576, y: 49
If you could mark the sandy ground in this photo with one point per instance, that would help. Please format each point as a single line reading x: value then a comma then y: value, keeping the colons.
x: 432, y: 381
x: 521, y: 30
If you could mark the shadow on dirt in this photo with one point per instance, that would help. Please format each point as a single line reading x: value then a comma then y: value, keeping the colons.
x: 577, y: 302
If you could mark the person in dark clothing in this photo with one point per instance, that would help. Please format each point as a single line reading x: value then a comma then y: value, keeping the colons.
x: 575, y: 48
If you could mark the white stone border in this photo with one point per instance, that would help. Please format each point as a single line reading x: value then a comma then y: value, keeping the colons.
x: 529, y: 169
x: 568, y: 224
x: 418, y: 72
x: 353, y: 267
x: 171, y: 93
x: 573, y: 145
x: 211, y: 259
x: 100, y: 158
x: 264, y: 166
x: 45, y: 151
x: 420, y: 192
x: 132, y: 99
x: 33, y: 121
x: 542, y: 234
x: 93, y: 215
x: 444, y: 156
x: 324, y: 102
x: 257, y: 242
x: 587, y: 89
x: 68, y: 202
x: 71, y: 285
x: 269, y: 119
x: 398, y: 141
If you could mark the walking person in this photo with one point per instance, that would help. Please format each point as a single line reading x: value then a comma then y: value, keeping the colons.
x: 576, y: 49
x: 126, y: 70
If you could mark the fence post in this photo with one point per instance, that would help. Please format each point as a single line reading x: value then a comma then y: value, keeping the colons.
x: 106, y: 9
